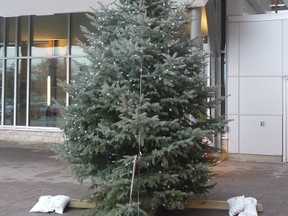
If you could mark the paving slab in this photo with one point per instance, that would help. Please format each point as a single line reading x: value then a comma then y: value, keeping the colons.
x: 27, y: 174
x: 267, y: 182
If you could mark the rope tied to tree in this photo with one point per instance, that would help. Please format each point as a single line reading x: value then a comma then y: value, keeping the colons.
x: 133, y: 177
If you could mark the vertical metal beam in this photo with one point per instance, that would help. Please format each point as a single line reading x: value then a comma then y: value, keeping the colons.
x: 17, y: 33
x: 29, y: 44
x: 213, y: 11
x: 285, y: 120
x: 68, y: 60
x: 223, y: 54
x: 3, y: 68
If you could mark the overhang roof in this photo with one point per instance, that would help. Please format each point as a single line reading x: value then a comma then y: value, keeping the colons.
x: 47, y: 7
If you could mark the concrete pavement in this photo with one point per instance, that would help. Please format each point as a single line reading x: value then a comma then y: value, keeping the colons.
x: 267, y: 182
x: 27, y: 174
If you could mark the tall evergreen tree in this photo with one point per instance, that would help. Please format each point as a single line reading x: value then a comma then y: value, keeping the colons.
x: 138, y: 116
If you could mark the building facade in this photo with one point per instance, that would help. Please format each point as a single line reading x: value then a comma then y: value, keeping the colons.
x: 38, y: 48
x: 257, y: 70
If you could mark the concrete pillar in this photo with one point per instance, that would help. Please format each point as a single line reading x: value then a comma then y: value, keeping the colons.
x: 196, y: 14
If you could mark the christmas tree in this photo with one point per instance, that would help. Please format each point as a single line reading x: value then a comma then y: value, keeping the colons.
x: 137, y: 122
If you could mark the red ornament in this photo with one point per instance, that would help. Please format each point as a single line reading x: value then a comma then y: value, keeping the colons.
x: 207, y: 154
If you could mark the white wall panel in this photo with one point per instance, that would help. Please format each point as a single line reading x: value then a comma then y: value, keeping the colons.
x: 233, y: 95
x: 260, y: 56
x: 233, y: 134
x: 233, y: 49
x: 257, y: 139
x: 285, y: 47
x: 261, y: 48
x: 261, y: 95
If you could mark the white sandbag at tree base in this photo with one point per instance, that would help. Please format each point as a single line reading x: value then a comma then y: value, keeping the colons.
x: 49, y: 203
x: 242, y: 206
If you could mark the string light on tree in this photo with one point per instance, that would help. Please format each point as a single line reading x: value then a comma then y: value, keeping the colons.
x: 135, y: 100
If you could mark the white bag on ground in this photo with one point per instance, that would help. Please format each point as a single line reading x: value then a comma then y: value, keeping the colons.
x: 236, y: 205
x: 250, y: 207
x: 49, y: 203
x: 43, y: 204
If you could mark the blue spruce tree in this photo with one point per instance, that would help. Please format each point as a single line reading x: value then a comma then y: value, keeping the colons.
x: 138, y: 116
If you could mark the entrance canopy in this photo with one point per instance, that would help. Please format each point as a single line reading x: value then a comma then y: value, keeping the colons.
x: 48, y: 7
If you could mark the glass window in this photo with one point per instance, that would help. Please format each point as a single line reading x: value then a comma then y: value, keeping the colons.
x: 1, y: 72
x: 21, y: 92
x: 1, y: 36
x: 9, y: 91
x: 23, y: 36
x: 1, y: 60
x: 11, y: 35
x: 50, y: 35
x: 78, y: 19
x: 76, y: 64
x: 45, y: 94
x: 43, y: 67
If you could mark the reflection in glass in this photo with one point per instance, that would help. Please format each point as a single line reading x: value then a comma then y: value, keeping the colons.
x: 11, y: 35
x: 1, y: 37
x: 9, y: 92
x: 46, y: 64
x: 76, y: 64
x: 50, y: 35
x: 21, y: 96
x: 1, y: 71
x: 23, y: 36
x: 78, y: 19
x: 45, y: 95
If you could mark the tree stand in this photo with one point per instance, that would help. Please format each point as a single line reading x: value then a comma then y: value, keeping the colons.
x: 192, y: 204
